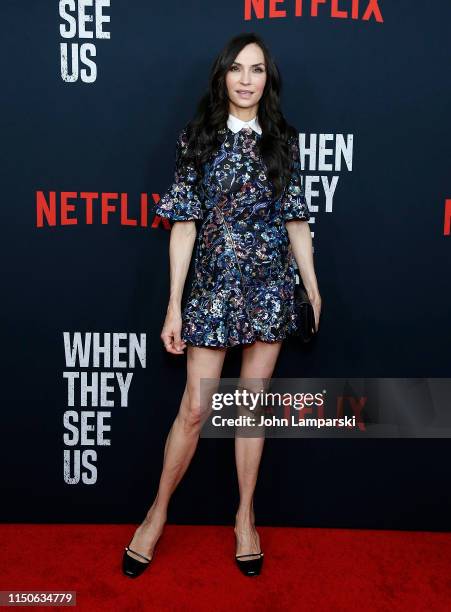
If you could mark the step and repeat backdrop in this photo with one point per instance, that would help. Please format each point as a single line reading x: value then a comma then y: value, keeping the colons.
x: 94, y: 94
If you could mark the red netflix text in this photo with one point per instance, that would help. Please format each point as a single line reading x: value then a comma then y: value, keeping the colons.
x: 91, y: 207
x: 363, y: 10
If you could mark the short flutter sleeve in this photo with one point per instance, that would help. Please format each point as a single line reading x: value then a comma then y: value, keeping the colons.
x: 181, y: 201
x: 293, y: 202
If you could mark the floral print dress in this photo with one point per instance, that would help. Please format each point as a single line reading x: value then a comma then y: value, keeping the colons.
x: 244, y: 270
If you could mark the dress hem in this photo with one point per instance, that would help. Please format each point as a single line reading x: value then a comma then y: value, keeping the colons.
x: 262, y: 339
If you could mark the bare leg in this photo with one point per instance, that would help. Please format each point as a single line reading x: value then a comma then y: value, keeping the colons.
x: 259, y: 360
x: 181, y: 443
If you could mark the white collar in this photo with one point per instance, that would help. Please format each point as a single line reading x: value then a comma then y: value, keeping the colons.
x: 236, y: 124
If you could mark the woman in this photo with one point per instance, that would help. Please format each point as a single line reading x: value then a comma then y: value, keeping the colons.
x: 238, y: 171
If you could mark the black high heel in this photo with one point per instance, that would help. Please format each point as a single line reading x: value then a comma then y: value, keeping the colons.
x: 250, y: 567
x: 132, y: 567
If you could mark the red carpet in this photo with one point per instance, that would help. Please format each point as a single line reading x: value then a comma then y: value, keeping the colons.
x: 193, y: 569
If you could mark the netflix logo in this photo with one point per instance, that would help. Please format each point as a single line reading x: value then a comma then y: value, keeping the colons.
x: 363, y: 10
x: 94, y: 208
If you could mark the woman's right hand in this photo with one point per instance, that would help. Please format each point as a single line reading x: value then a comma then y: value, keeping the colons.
x: 171, y: 332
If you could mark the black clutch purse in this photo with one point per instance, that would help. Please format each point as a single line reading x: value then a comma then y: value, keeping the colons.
x: 304, y: 314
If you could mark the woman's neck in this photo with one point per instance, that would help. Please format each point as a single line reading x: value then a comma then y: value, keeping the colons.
x: 244, y: 114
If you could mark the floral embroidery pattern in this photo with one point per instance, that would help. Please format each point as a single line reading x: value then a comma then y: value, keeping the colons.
x: 244, y: 276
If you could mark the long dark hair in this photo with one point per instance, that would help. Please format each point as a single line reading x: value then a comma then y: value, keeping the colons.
x: 213, y: 111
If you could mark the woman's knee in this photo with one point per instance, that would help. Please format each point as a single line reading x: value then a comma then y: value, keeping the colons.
x: 191, y: 411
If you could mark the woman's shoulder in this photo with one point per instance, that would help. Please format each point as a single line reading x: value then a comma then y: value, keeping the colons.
x: 182, y: 140
x: 183, y: 134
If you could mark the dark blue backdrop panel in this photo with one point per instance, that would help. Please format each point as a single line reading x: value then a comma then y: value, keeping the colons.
x: 381, y: 258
